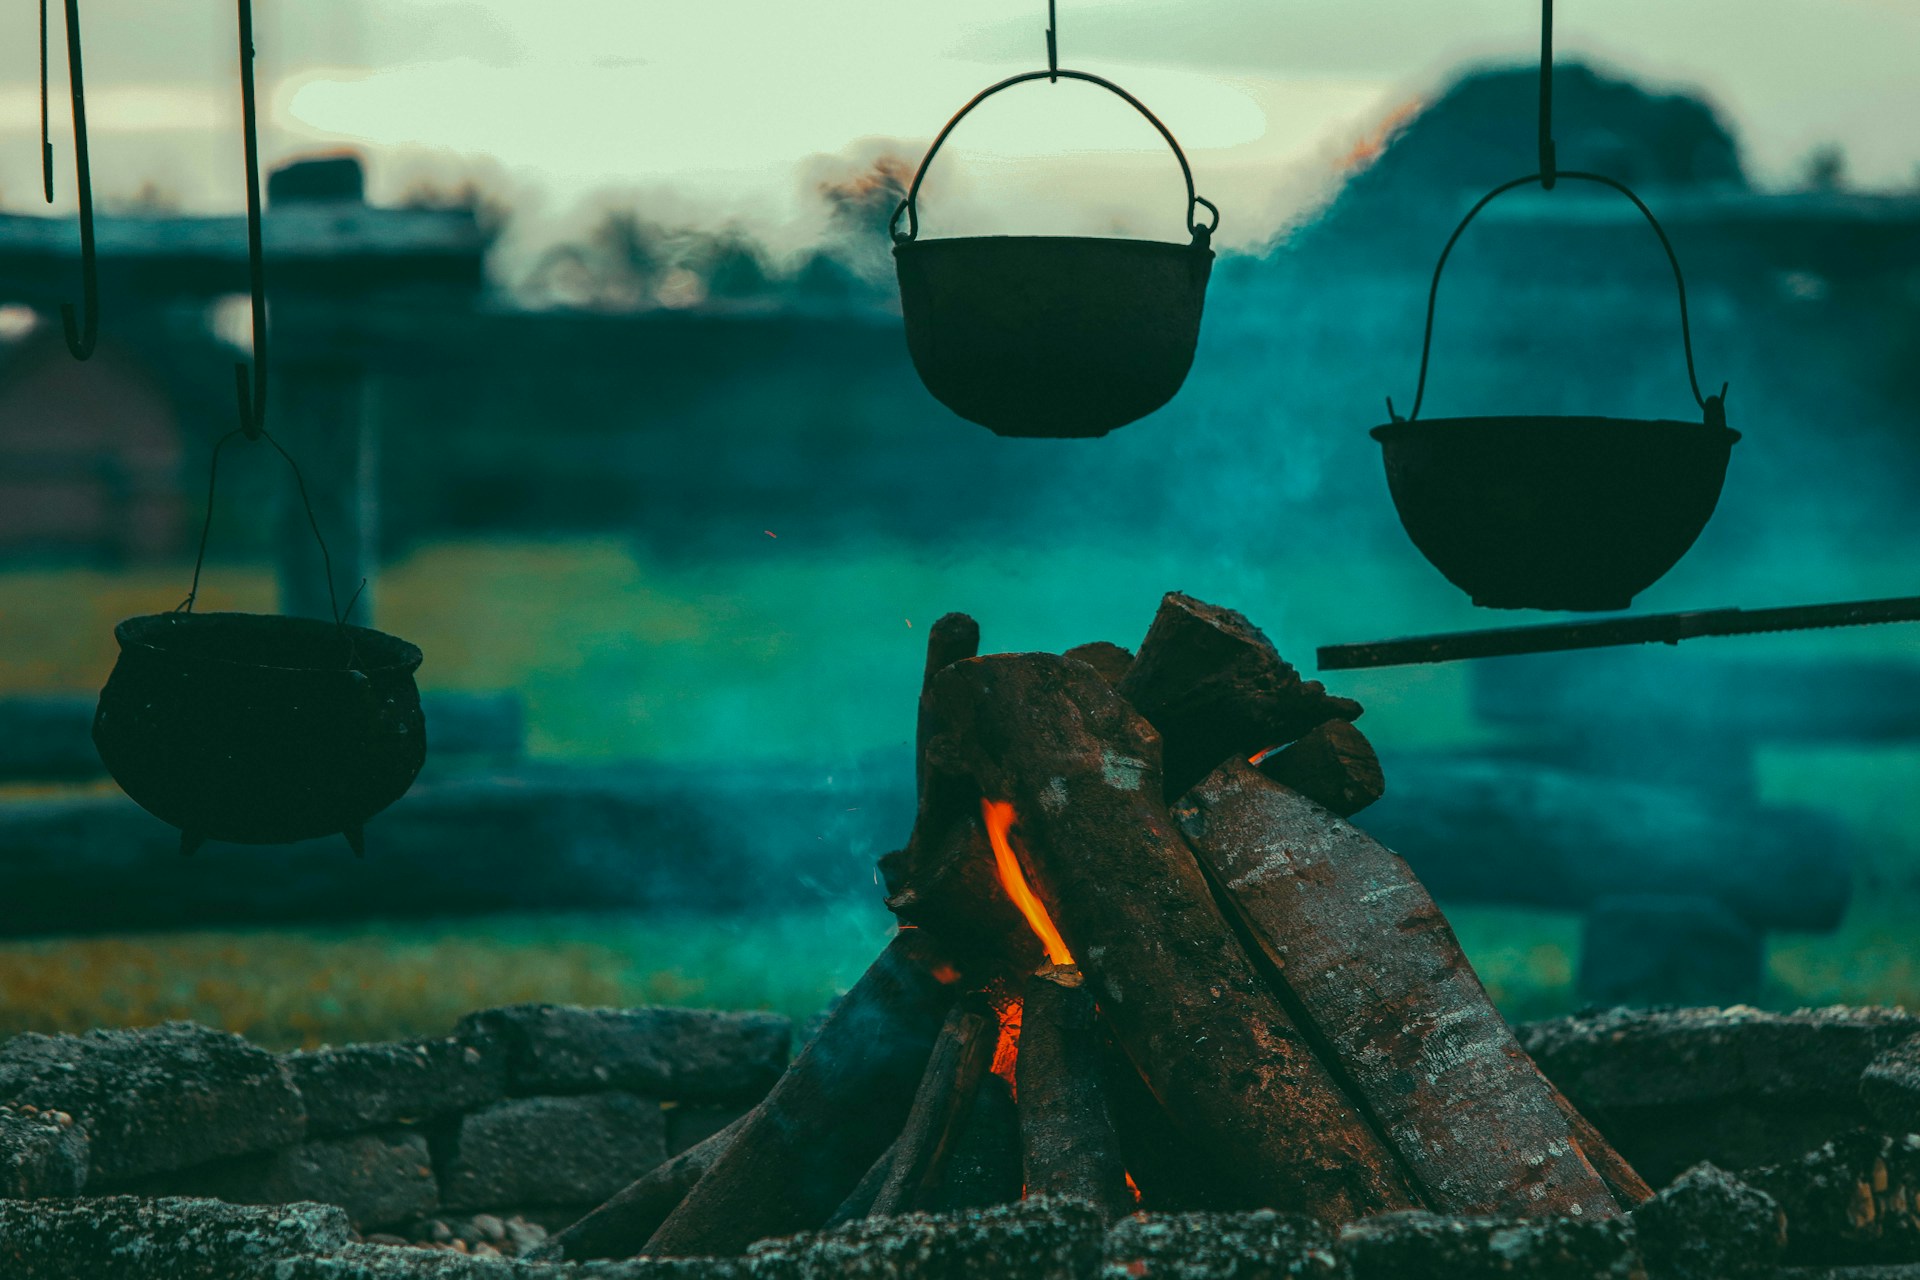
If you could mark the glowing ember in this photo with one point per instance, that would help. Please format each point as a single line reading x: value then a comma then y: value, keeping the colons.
x: 1133, y: 1188
x: 1000, y: 818
x: 1258, y: 756
x: 1006, y: 1050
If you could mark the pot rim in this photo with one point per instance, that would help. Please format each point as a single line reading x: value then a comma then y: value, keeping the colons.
x: 1388, y: 432
x: 141, y: 630
x: 1131, y: 244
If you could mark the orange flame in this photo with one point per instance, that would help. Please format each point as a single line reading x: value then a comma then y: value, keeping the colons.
x: 1006, y: 1049
x: 1000, y: 818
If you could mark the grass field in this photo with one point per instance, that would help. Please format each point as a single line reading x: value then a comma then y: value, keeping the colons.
x: 790, y: 651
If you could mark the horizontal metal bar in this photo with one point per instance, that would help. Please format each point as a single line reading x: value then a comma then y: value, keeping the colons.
x: 1652, y: 628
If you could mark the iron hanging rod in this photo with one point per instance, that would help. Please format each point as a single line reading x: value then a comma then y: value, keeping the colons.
x: 1053, y: 46
x: 81, y: 334
x: 251, y: 384
x: 46, y: 137
x: 1549, y: 168
x: 1597, y: 633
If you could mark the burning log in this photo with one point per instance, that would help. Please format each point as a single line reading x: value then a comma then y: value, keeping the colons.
x: 802, y: 1149
x: 1049, y: 737
x: 919, y: 1156
x: 1334, y: 766
x: 1371, y: 964
x: 953, y: 637
x: 985, y: 1166
x: 1171, y: 1173
x: 1214, y: 687
x: 618, y: 1228
x: 1629, y: 1189
x: 1068, y: 1145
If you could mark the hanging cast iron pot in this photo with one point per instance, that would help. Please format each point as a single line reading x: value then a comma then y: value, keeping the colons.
x: 1062, y: 336
x: 250, y: 728
x: 1548, y: 512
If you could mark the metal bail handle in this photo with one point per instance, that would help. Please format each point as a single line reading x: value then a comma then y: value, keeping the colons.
x: 1713, y: 407
x: 910, y: 205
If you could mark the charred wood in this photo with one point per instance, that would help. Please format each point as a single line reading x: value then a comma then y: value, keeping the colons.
x: 1334, y: 766
x: 1172, y: 1174
x: 1214, y: 687
x: 1375, y: 972
x: 985, y: 1166
x: 1629, y: 1189
x: 940, y: 1105
x: 1082, y: 770
x: 802, y: 1149
x: 618, y: 1228
x: 1068, y: 1145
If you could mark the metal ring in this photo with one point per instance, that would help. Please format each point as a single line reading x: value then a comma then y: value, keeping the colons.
x: 910, y: 205
x: 1679, y: 280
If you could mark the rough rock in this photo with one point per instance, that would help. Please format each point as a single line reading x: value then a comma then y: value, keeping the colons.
x: 1890, y: 1087
x: 157, y: 1098
x: 1262, y: 1245
x: 1395, y: 1246
x: 378, y: 1178
x: 1855, y: 1199
x: 42, y: 1153
x: 1736, y: 1086
x: 1035, y: 1239
x: 690, y: 1055
x: 1709, y: 1225
x: 535, y: 1151
x: 381, y: 1262
x: 130, y: 1238
x: 367, y: 1086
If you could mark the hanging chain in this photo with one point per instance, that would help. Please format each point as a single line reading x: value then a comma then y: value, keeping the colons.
x: 1053, y: 46
x: 46, y: 138
x: 83, y: 335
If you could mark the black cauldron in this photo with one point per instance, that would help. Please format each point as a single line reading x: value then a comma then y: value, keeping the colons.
x: 260, y: 729
x: 1061, y: 336
x: 1547, y: 512
x: 1052, y: 335
x: 1553, y: 512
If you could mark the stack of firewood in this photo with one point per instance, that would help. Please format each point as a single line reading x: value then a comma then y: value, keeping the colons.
x: 1144, y: 961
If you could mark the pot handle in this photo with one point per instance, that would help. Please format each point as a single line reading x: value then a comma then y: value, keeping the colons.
x: 1201, y: 232
x: 306, y: 503
x: 1714, y: 407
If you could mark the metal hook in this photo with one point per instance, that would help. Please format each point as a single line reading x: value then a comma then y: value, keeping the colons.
x: 81, y: 336
x: 1548, y: 167
x: 251, y: 384
x: 46, y: 138
x: 1053, y: 49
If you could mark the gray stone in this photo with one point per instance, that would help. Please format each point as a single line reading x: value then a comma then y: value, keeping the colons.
x: 1035, y: 1239
x: 378, y: 1178
x: 535, y: 1151
x: 157, y: 1098
x: 368, y: 1086
x: 688, y: 1055
x: 378, y: 1262
x: 1890, y: 1087
x: 1735, y: 1086
x: 42, y: 1153
x: 1396, y: 1246
x: 131, y: 1238
x: 1856, y: 1199
x: 1709, y: 1225
x: 1262, y: 1245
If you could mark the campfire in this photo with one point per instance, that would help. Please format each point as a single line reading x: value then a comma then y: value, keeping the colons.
x: 1145, y: 962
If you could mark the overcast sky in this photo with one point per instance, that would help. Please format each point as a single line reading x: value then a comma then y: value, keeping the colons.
x: 722, y: 109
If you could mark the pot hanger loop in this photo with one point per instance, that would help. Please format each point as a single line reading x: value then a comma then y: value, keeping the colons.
x: 83, y: 333
x: 910, y: 204
x: 1712, y: 407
